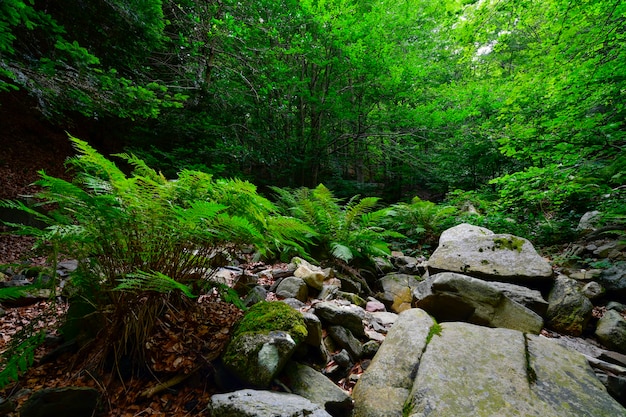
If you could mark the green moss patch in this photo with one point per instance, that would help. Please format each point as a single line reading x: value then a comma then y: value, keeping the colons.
x: 268, y: 316
x: 512, y: 243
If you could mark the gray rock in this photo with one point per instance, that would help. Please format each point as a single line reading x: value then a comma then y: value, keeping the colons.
x: 370, y: 348
x: 592, y: 290
x: 314, y: 329
x: 502, y: 372
x: 495, y: 257
x: 292, y: 287
x: 253, y: 403
x: 611, y: 331
x: 350, y: 317
x: 463, y: 231
x: 68, y: 401
x: 525, y: 296
x: 569, y: 310
x: 256, y: 295
x: 589, y: 221
x: 614, y: 305
x: 294, y: 303
x: 314, y: 386
x: 614, y: 281
x: 454, y: 297
x: 374, y: 305
x: 343, y: 359
x: 564, y: 380
x: 397, y: 290
x: 610, y: 249
x: 256, y: 358
x: 385, y: 386
x: 346, y: 340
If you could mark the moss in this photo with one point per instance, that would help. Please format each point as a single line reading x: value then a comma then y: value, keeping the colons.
x: 512, y: 243
x: 268, y: 316
x: 435, y: 329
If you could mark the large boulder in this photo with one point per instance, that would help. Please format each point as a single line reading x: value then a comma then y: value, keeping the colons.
x: 472, y: 370
x: 257, y: 358
x: 384, y: 387
x: 454, y: 297
x: 479, y: 252
x: 253, y: 403
x: 569, y: 310
x: 263, y: 341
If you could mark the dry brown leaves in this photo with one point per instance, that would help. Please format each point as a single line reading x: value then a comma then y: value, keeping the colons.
x: 185, y: 338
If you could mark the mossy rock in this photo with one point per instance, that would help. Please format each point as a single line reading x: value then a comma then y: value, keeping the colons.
x: 268, y: 316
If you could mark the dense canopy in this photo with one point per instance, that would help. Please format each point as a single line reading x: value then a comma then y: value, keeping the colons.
x: 516, y: 102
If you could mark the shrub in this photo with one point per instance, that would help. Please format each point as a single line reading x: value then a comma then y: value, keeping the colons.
x: 350, y: 232
x: 145, y: 244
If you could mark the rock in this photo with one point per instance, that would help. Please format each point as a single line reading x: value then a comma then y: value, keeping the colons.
x: 256, y: 358
x: 495, y: 257
x: 589, y: 221
x: 370, y: 348
x: 614, y: 305
x: 294, y: 303
x: 614, y: 281
x: 611, y: 331
x: 409, y: 265
x: 502, y: 372
x: 584, y: 274
x: 463, y: 231
x: 350, y: 317
x: 343, y: 359
x: 397, y: 290
x: 68, y: 401
x: 610, y: 249
x: 253, y: 403
x: 256, y: 295
x: 344, y: 339
x: 317, y: 388
x: 313, y: 275
x: 527, y: 297
x: 454, y: 297
x: 374, y: 305
x: 314, y: 329
x: 569, y: 310
x: 383, y: 265
x: 592, y: 290
x: 292, y: 287
x: 565, y: 381
x: 385, y: 386
x: 351, y: 297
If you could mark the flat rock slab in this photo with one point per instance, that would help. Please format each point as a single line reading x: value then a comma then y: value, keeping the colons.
x: 461, y: 369
x: 498, y: 257
x: 253, y: 403
x: 383, y: 389
x: 477, y: 371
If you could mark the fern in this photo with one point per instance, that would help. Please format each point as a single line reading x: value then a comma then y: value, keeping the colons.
x: 152, y: 281
x: 348, y: 233
x: 19, y: 357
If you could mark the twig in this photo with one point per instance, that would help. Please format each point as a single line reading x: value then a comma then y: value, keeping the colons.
x: 177, y: 379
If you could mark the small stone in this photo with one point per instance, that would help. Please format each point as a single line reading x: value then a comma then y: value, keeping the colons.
x: 373, y: 306
x: 593, y: 290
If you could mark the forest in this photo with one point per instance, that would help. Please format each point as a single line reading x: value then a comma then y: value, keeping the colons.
x: 335, y: 130
x: 516, y: 107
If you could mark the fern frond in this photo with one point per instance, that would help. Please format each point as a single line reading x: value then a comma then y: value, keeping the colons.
x: 152, y: 281
x: 340, y: 251
x: 12, y: 293
x: 18, y: 358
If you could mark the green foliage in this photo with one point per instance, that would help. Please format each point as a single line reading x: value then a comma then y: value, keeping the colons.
x: 144, y: 242
x: 349, y: 232
x: 267, y: 316
x: 420, y: 221
x: 19, y: 356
